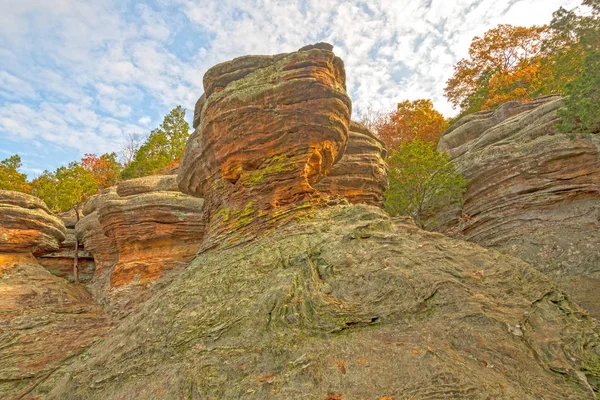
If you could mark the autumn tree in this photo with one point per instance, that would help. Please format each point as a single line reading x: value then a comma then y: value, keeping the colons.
x: 10, y: 177
x: 507, y: 63
x: 411, y: 119
x: 162, y: 149
x: 422, y: 181
x: 104, y: 169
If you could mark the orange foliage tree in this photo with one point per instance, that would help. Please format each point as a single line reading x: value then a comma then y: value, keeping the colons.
x: 104, y: 169
x: 411, y: 120
x: 507, y: 63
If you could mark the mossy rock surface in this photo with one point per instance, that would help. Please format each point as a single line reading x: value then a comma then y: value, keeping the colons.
x: 349, y: 302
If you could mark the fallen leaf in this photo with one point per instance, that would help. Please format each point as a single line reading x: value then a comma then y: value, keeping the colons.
x: 341, y: 367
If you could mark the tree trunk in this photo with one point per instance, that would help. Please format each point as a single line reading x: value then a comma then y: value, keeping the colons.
x: 76, y: 258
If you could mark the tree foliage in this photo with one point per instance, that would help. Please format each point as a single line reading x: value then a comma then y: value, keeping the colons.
x: 162, y: 149
x: 10, y: 177
x: 579, y: 45
x: 422, y: 181
x: 64, y: 188
x: 412, y: 119
x: 507, y: 63
x: 104, y: 169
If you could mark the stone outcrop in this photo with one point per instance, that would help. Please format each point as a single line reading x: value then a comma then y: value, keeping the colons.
x: 361, y: 175
x: 27, y: 225
x: 337, y: 305
x: 268, y: 128
x: 60, y: 263
x: 89, y: 231
x: 153, y: 227
x: 44, y: 320
x: 532, y: 192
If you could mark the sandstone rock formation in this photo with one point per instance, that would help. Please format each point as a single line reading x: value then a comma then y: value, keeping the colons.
x: 533, y: 192
x: 347, y: 303
x: 268, y: 128
x: 90, y: 233
x: 361, y: 175
x: 44, y: 320
x: 153, y: 227
x: 60, y: 263
x: 27, y: 225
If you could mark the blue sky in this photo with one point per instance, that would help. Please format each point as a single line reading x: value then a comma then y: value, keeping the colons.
x: 78, y: 76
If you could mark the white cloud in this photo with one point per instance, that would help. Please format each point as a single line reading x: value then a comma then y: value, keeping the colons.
x: 145, y: 120
x: 83, y: 74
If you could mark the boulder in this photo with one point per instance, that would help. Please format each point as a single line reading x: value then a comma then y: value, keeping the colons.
x: 27, y: 225
x: 349, y: 304
x: 532, y: 191
x: 361, y: 175
x: 268, y: 128
x: 153, y: 229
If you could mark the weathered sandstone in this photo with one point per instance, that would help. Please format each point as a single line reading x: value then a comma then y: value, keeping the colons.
x: 533, y: 192
x: 348, y: 303
x: 44, y: 320
x: 154, y: 230
x: 60, y: 263
x: 361, y: 175
x: 268, y: 128
x: 27, y: 225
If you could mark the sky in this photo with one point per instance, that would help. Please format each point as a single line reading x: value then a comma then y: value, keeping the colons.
x: 79, y: 76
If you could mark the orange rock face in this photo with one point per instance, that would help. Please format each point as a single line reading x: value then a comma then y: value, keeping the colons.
x: 268, y: 128
x: 153, y: 230
x: 44, y: 320
x: 90, y: 233
x: 532, y: 191
x: 361, y: 174
x: 27, y: 225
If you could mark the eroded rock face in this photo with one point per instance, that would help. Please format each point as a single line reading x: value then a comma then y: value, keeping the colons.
x: 268, y: 128
x: 90, y: 233
x: 533, y: 192
x: 43, y: 318
x: 27, y: 225
x: 361, y: 175
x: 60, y: 263
x: 153, y: 229
x: 337, y: 305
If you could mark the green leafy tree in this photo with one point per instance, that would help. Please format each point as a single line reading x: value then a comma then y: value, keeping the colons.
x: 578, y: 44
x: 66, y: 188
x: 422, y: 181
x: 162, y: 149
x: 10, y: 177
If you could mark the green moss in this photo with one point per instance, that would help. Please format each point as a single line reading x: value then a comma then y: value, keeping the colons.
x: 276, y: 165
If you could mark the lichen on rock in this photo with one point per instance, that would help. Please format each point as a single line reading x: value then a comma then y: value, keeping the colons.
x: 532, y: 192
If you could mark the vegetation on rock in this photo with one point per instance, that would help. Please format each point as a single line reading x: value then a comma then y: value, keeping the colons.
x: 422, y: 181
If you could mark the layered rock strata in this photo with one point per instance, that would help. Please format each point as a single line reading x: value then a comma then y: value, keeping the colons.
x: 361, y: 174
x: 532, y: 191
x: 44, y: 320
x: 334, y: 307
x: 27, y: 226
x: 154, y: 228
x: 60, y: 263
x: 268, y: 128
